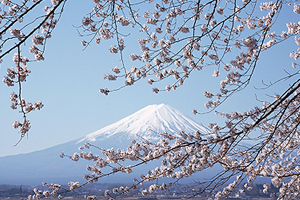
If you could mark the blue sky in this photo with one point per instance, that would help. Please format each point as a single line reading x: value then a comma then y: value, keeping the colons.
x: 69, y: 79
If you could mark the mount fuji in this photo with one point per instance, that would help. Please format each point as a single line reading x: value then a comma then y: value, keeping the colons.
x: 46, y: 165
x: 144, y: 123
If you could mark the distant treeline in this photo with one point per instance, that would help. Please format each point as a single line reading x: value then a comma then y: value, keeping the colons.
x: 14, y: 191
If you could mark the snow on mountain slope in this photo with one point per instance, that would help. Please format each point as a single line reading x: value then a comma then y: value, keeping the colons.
x: 46, y: 165
x: 159, y: 118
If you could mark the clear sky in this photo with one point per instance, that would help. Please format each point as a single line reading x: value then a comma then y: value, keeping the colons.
x: 69, y: 79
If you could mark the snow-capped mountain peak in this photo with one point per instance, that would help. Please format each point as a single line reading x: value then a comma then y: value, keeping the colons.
x: 159, y: 118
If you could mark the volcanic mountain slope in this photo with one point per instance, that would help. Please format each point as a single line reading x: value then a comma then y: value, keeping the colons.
x: 46, y: 165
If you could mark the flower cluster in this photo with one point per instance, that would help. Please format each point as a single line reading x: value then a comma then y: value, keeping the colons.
x: 23, y: 127
x: 73, y: 185
x: 16, y: 33
x: 19, y: 75
x: 54, y: 188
